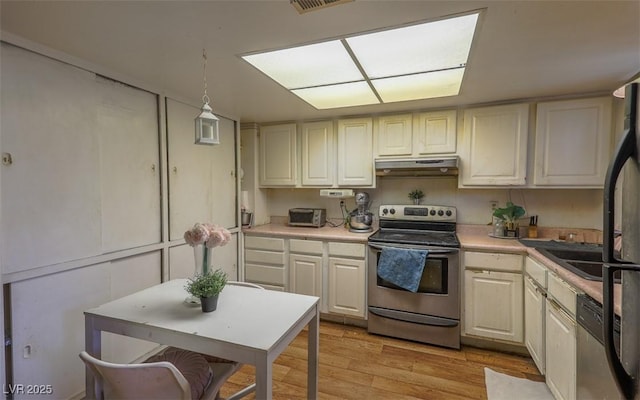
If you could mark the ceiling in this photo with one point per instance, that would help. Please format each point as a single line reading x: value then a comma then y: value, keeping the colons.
x: 523, y: 49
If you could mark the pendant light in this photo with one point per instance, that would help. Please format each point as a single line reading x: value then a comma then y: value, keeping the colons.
x: 206, y: 123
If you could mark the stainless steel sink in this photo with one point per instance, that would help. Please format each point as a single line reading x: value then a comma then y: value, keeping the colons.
x: 584, y: 260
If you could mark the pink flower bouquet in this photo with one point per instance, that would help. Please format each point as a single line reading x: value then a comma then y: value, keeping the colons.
x: 208, y: 234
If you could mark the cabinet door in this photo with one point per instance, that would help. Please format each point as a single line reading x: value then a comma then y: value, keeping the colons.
x: 278, y: 160
x: 572, y: 142
x: 435, y: 132
x: 202, y: 178
x: 355, y: 152
x: 318, y: 154
x: 560, y: 352
x: 48, y: 321
x: 51, y: 195
x: 347, y: 286
x: 493, y: 305
x: 129, y: 161
x: 305, y: 274
x: 494, y: 146
x: 394, y: 135
x: 534, y: 323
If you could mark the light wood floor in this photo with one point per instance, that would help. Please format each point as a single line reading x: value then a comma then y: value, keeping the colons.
x: 357, y: 365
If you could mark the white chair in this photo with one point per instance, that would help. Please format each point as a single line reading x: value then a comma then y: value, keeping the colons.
x: 160, y: 379
x: 172, y: 374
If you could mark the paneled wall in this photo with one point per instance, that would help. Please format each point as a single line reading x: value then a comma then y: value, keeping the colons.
x: 104, y: 179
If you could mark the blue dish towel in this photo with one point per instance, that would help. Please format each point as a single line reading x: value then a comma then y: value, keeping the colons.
x: 402, y: 267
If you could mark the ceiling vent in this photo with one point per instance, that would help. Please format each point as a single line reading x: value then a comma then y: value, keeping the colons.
x: 304, y: 6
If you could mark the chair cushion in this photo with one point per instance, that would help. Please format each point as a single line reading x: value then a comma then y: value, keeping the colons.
x: 193, y: 366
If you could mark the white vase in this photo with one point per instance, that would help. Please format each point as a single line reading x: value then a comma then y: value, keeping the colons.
x: 203, y: 257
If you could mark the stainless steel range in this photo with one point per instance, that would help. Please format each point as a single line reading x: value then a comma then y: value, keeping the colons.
x: 429, y: 313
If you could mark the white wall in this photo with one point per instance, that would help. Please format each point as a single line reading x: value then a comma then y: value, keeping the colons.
x: 570, y: 208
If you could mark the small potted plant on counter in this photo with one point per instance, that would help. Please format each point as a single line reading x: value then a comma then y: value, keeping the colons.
x: 207, y: 287
x: 416, y: 195
x: 510, y: 215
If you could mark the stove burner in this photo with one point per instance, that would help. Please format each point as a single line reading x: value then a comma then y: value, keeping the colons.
x: 417, y: 225
x: 423, y: 238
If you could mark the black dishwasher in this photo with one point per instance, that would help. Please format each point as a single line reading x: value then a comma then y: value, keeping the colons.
x: 593, y: 379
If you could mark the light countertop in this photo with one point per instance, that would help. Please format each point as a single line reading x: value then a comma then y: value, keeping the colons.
x: 327, y: 232
x: 472, y: 237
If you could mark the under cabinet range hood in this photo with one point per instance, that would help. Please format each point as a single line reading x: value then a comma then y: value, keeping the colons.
x: 423, y: 166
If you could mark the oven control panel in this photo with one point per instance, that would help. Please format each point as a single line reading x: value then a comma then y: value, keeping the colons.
x: 418, y: 212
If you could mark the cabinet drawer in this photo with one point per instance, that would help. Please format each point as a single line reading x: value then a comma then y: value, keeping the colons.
x: 264, y: 257
x: 273, y: 275
x: 346, y: 249
x: 305, y: 246
x: 563, y: 293
x: 264, y: 243
x: 493, y: 261
x: 536, y: 271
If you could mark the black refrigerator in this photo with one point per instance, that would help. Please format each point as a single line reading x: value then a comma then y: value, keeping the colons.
x: 624, y: 169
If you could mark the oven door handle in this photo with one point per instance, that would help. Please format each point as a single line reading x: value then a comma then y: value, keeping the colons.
x: 431, y: 251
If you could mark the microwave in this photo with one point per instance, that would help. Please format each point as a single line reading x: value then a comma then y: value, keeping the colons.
x: 314, y: 217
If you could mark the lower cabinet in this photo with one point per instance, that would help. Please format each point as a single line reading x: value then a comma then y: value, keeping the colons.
x: 347, y: 279
x: 561, y: 331
x: 264, y: 262
x: 560, y: 352
x: 305, y: 267
x: 535, y: 295
x: 493, y: 296
x: 534, y: 322
x: 333, y: 271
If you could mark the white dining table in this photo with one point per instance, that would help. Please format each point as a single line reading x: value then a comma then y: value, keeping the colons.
x: 249, y: 326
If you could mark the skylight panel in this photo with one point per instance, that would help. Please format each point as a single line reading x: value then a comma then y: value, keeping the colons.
x: 419, y: 86
x: 413, y: 62
x: 340, y: 95
x: 306, y: 66
x: 426, y: 47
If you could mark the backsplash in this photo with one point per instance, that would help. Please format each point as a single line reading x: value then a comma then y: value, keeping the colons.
x: 567, y: 208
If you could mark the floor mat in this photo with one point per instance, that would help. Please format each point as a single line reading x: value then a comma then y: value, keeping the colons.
x: 505, y: 387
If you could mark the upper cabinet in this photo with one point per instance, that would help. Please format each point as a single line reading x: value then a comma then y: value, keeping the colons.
x: 278, y: 156
x: 434, y: 133
x: 568, y: 146
x: 493, y: 147
x: 355, y: 152
x: 394, y: 135
x: 408, y: 135
x: 323, y: 159
x: 318, y: 154
x: 572, y: 142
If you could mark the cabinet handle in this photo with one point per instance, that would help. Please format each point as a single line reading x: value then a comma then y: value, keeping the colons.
x: 7, y: 159
x: 562, y: 313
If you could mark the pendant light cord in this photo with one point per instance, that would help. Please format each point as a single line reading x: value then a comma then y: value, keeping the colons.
x: 205, y: 98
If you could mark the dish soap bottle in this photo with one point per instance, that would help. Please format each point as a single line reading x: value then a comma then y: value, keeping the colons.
x: 498, y: 228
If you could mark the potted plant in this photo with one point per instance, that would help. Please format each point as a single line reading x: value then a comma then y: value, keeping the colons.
x: 510, y: 215
x: 416, y: 195
x: 207, y: 286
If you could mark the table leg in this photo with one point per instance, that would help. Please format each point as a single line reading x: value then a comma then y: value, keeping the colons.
x: 312, y: 356
x: 264, y: 381
x: 93, y: 346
